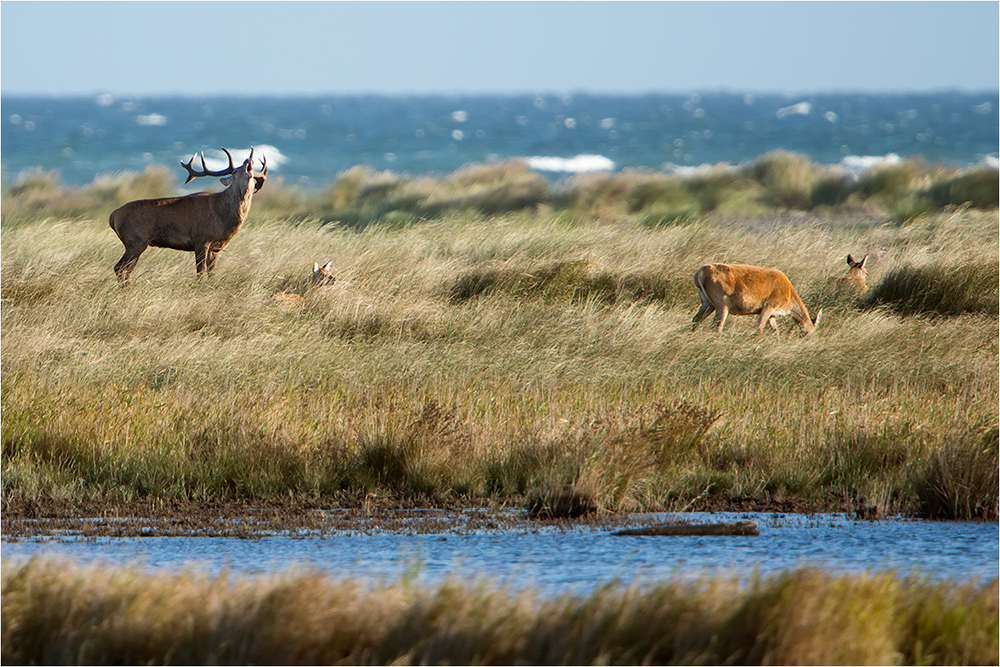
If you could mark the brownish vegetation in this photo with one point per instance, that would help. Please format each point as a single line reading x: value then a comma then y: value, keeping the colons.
x: 57, y: 613
x: 541, y: 355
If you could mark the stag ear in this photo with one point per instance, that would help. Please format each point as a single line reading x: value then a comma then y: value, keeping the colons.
x: 226, y: 181
x: 315, y: 267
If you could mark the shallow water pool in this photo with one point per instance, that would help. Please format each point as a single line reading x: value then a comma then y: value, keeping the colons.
x: 568, y: 559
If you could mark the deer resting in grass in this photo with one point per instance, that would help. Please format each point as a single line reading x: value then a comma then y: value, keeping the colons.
x: 749, y: 290
x: 202, y: 223
x: 857, y: 274
x: 323, y: 275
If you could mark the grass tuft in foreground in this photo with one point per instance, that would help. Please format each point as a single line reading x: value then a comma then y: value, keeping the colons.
x: 59, y: 613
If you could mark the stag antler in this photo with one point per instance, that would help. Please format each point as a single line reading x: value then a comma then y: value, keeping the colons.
x: 259, y: 176
x: 192, y: 174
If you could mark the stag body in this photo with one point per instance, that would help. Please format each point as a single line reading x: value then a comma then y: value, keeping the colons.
x: 749, y: 290
x: 202, y: 223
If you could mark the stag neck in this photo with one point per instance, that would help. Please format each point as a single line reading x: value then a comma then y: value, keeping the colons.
x: 234, y: 202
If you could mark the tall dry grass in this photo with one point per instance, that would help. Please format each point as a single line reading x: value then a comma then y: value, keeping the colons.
x: 60, y: 613
x: 506, y: 355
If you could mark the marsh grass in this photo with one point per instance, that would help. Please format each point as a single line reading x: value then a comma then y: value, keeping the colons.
x: 538, y: 352
x: 940, y: 289
x: 960, y: 480
x: 360, y: 196
x: 58, y: 612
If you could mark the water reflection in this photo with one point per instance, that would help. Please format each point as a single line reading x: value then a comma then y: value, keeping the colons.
x: 578, y: 559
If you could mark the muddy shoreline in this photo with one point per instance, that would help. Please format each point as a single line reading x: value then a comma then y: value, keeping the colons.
x: 39, y: 519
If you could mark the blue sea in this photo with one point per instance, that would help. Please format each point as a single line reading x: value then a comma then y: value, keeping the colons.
x: 309, y: 140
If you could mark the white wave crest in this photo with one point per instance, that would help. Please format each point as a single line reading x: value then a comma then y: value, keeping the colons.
x: 216, y: 159
x: 991, y: 161
x: 573, y: 165
x: 859, y: 164
x: 800, y: 109
x: 705, y: 169
x: 151, y: 119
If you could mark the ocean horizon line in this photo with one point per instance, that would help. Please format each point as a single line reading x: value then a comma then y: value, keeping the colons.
x: 888, y: 92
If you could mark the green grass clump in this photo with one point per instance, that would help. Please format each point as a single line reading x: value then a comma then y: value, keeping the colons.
x: 977, y: 187
x: 787, y: 178
x: 57, y: 612
x: 947, y: 290
x: 959, y: 480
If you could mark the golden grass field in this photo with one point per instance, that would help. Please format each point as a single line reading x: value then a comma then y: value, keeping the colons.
x: 492, y: 338
x: 474, y: 355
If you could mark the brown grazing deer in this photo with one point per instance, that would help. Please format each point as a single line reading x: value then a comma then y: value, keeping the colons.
x: 202, y: 223
x: 749, y: 290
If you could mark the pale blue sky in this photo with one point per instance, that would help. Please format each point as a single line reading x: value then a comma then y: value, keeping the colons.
x: 196, y: 48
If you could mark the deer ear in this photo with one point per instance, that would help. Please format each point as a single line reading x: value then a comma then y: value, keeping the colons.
x: 226, y: 181
x: 863, y: 260
x: 328, y: 266
x: 315, y: 267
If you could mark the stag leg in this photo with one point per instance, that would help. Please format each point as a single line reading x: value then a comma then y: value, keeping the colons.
x: 123, y: 269
x: 201, y: 254
x: 210, y: 261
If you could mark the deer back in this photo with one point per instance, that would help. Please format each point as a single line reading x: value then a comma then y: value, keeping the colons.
x: 746, y: 289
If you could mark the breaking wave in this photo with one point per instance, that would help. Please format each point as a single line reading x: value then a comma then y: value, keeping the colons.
x: 573, y: 165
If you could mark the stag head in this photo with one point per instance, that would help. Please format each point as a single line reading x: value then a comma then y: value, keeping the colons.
x: 246, y: 170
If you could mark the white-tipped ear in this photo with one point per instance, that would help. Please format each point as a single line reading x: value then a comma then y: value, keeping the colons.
x: 315, y: 267
x: 863, y: 260
x: 328, y: 266
x: 819, y: 314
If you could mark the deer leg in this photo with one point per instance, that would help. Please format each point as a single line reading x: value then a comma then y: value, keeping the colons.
x: 767, y: 318
x: 720, y: 317
x: 201, y: 258
x: 123, y: 269
x: 210, y: 261
x: 706, y: 308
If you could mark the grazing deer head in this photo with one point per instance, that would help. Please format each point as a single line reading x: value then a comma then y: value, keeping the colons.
x: 323, y: 275
x: 202, y: 223
x: 749, y: 290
